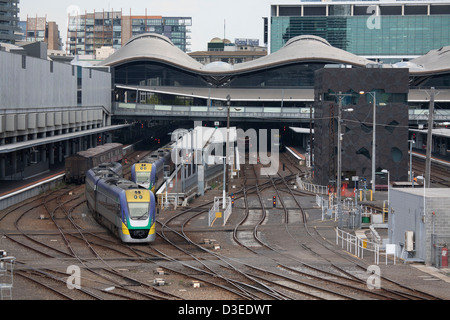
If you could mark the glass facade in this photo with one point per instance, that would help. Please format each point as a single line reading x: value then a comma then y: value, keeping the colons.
x: 397, y: 31
x: 154, y: 74
x: 297, y: 75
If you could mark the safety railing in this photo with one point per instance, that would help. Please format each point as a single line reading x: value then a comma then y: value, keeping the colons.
x: 357, y: 246
x: 6, y: 275
x: 165, y: 199
x: 314, y: 188
x: 217, y: 211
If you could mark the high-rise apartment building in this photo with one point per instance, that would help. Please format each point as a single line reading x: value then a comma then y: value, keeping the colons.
x: 9, y: 20
x: 90, y: 31
x: 385, y: 30
x: 39, y: 29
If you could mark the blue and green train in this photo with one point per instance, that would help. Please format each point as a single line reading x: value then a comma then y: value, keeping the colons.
x: 121, y: 206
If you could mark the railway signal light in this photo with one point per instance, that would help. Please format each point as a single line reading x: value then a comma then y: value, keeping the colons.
x: 274, y: 201
x: 232, y: 200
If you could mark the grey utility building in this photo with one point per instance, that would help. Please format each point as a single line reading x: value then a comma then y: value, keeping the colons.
x: 419, y: 224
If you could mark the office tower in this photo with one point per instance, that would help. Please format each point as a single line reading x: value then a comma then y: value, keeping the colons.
x: 388, y: 31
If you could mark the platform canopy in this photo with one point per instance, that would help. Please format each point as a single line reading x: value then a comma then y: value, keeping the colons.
x: 301, y: 130
x: 441, y: 132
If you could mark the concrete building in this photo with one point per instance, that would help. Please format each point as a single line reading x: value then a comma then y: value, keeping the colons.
x: 419, y: 224
x: 9, y: 20
x: 49, y: 110
x: 89, y: 31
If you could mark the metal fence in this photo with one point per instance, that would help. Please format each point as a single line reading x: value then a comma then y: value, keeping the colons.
x: 217, y: 211
x: 6, y: 276
x: 358, y: 246
x: 311, y: 187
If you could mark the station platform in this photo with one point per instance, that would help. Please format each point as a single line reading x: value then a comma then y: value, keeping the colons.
x: 11, y: 186
x: 298, y: 152
x: 440, y: 159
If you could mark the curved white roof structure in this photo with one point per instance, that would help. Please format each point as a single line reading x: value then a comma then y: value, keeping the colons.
x: 156, y: 47
x: 305, y: 49
x: 298, y: 50
x: 435, y: 61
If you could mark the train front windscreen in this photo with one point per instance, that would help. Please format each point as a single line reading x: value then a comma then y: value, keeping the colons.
x: 138, y: 210
x: 142, y: 177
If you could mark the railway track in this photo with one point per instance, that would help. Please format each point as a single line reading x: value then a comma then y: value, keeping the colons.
x: 265, y: 253
x: 439, y: 176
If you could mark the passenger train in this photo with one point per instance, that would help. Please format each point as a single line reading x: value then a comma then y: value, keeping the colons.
x: 149, y: 172
x: 121, y: 205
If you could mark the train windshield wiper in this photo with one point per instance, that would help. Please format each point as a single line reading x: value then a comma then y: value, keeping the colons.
x: 142, y: 217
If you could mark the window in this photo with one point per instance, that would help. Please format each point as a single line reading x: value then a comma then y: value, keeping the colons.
x: 364, y: 152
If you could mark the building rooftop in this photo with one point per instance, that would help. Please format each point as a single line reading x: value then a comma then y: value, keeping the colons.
x: 429, y: 192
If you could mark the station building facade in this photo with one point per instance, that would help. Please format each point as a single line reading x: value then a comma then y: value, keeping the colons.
x: 152, y: 78
x: 49, y: 110
x: 149, y: 70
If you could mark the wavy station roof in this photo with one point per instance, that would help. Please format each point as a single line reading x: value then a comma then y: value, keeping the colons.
x: 435, y: 61
x: 307, y: 48
x: 159, y: 48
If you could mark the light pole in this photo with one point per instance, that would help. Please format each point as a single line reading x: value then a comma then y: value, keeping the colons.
x: 389, y: 190
x: 227, y: 153
x: 340, y: 97
x: 224, y: 181
x: 374, y: 135
x: 227, y: 146
x: 411, y: 142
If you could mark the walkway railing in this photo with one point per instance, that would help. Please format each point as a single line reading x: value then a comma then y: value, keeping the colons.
x: 357, y: 246
x: 217, y: 211
x: 315, y: 188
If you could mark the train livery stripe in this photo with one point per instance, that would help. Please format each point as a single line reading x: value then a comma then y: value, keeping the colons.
x: 153, y: 229
x: 125, y: 230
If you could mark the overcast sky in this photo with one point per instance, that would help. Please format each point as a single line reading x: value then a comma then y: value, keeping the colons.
x: 243, y: 17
